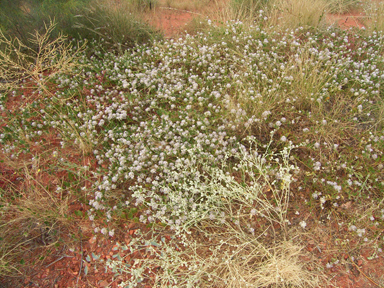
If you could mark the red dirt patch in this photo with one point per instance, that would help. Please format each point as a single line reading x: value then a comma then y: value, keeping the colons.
x: 171, y: 21
x: 346, y: 21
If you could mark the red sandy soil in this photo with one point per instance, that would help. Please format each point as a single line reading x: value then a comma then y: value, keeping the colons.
x: 65, y: 266
x: 171, y: 21
x: 346, y: 21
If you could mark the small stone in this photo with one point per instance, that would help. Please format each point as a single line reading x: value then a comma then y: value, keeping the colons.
x: 360, y: 262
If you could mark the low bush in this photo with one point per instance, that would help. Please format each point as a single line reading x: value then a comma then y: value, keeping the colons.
x: 115, y: 25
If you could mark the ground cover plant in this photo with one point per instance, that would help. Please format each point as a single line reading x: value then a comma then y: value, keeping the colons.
x: 224, y: 159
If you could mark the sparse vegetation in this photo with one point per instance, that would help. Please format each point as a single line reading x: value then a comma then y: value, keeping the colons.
x: 225, y: 153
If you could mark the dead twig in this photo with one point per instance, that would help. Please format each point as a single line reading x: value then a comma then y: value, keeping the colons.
x: 81, y: 261
x: 57, y: 260
x: 369, y: 278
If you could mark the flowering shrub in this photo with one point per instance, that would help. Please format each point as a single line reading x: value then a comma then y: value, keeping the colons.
x: 222, y: 208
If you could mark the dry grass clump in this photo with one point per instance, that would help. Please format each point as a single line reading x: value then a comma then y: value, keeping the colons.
x: 35, y: 218
x: 19, y: 62
x: 255, y: 266
x: 343, y: 6
x: 290, y: 14
x: 374, y: 22
x: 217, y: 256
x: 116, y: 24
x: 247, y: 9
x: 32, y: 215
x: 286, y: 14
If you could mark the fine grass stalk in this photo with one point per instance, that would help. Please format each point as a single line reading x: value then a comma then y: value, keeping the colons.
x: 374, y: 21
x: 343, y: 6
x: 290, y: 14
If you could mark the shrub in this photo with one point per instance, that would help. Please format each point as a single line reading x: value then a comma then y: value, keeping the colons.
x: 32, y: 212
x: 21, y: 18
x: 113, y: 23
x: 116, y: 23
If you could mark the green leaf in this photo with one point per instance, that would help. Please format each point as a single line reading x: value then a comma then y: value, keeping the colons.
x: 79, y: 213
x: 131, y: 212
x: 153, y: 243
x: 95, y: 257
x: 70, y: 176
x: 116, y: 256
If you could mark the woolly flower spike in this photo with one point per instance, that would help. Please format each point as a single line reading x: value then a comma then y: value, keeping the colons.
x: 317, y: 166
x: 303, y: 224
x: 265, y: 114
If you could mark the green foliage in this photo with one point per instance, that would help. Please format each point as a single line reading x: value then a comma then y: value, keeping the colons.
x: 115, y: 24
x: 22, y: 18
